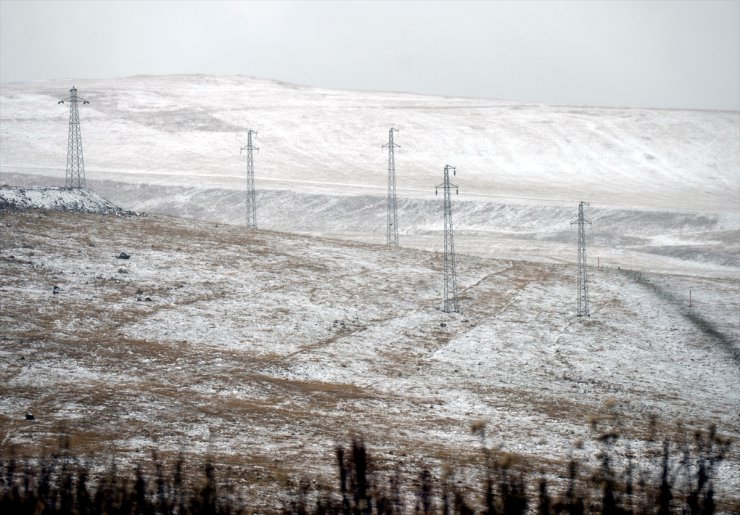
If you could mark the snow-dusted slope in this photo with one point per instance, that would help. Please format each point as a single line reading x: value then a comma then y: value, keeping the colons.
x: 664, y: 185
x: 255, y: 343
x: 264, y: 350
x: 187, y: 130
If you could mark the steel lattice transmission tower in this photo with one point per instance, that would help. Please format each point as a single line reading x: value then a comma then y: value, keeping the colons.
x: 75, y: 161
x: 582, y: 267
x: 451, y: 303
x: 392, y: 231
x: 251, y: 202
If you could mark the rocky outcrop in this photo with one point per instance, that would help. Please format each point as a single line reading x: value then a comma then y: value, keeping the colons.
x: 57, y: 199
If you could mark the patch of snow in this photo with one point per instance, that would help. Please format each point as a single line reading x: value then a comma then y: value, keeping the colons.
x: 80, y: 200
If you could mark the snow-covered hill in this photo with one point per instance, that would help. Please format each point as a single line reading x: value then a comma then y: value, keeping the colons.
x: 187, y: 130
x: 251, y: 345
x: 664, y: 185
x: 264, y: 350
x: 56, y: 199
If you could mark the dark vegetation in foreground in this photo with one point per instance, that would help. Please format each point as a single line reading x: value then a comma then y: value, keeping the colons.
x: 679, y: 479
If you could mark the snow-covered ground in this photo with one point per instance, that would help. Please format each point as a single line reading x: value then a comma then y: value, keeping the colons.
x: 267, y: 348
x: 705, y: 244
x: 664, y: 185
x: 187, y: 130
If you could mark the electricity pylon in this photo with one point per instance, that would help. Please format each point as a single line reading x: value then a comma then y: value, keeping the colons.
x: 75, y: 163
x: 582, y: 283
x: 450, y: 303
x: 251, y: 202
x: 392, y: 230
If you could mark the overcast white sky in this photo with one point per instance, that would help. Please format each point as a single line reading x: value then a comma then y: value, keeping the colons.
x: 679, y: 54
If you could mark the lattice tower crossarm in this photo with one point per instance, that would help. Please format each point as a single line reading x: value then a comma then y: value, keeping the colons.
x: 251, y: 197
x: 392, y: 208
x: 582, y: 279
x: 75, y: 176
x: 451, y: 303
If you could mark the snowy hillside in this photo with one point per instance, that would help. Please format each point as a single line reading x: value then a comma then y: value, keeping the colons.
x: 263, y: 350
x: 266, y: 348
x: 187, y: 130
x: 664, y: 185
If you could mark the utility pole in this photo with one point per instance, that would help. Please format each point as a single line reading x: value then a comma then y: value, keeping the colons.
x: 582, y: 283
x: 251, y: 202
x: 392, y: 230
x: 450, y: 302
x: 75, y: 178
